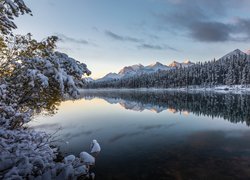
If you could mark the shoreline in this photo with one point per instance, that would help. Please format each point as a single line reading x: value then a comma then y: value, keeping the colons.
x: 236, y: 89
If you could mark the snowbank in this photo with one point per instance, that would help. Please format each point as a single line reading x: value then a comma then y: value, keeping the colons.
x: 28, y: 154
x: 221, y: 89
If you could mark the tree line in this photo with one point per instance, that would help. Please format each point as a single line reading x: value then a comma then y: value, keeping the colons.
x: 233, y: 70
x: 232, y: 107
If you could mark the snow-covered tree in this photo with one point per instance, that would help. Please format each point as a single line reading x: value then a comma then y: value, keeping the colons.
x: 35, y: 76
x: 231, y: 70
x: 9, y: 9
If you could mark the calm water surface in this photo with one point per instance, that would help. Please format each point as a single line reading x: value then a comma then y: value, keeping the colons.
x: 157, y: 135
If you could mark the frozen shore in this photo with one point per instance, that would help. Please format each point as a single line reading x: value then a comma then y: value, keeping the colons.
x: 236, y: 89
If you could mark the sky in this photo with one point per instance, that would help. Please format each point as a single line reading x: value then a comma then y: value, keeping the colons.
x: 110, y: 34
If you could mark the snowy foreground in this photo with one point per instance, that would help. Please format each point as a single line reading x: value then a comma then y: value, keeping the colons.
x: 35, y: 85
x: 27, y: 154
x: 34, y: 77
x: 236, y: 89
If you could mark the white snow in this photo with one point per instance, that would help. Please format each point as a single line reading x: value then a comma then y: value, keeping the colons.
x: 87, y: 158
x: 69, y: 159
x: 138, y: 69
x: 88, y: 79
x: 248, y: 52
x: 236, y: 52
x: 9, y: 10
x: 26, y: 153
x: 176, y: 64
x: 110, y: 76
x: 95, y: 147
x: 156, y: 67
x: 221, y: 88
x: 81, y: 170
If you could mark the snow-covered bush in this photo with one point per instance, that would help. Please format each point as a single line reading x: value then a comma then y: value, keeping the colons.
x: 27, y: 154
x: 24, y: 153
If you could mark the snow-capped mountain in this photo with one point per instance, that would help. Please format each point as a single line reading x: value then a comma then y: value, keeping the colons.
x: 129, y: 104
x: 156, y: 67
x: 130, y: 70
x: 230, y: 55
x: 88, y: 79
x: 232, y: 69
x: 110, y: 76
x: 186, y: 63
x: 138, y: 69
x: 175, y: 64
x: 248, y: 52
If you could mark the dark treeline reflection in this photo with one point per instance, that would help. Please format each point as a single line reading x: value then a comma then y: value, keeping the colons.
x: 232, y: 107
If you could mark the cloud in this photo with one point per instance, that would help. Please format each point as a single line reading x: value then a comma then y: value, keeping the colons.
x: 209, y: 7
x: 155, y: 47
x: 210, y: 31
x: 140, y: 42
x: 122, y: 38
x: 242, y: 27
x: 207, y: 21
x: 214, y: 31
x: 64, y: 38
x: 95, y: 29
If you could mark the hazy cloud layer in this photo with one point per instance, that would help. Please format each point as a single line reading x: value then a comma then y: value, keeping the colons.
x: 122, y: 38
x: 140, y: 42
x: 156, y: 47
x: 208, y: 21
x: 64, y: 38
x: 210, y: 31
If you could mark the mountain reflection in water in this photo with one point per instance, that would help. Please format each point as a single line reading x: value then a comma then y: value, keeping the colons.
x: 232, y: 107
x: 157, y: 134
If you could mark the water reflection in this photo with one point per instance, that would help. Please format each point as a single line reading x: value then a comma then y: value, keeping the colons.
x: 232, y: 107
x: 158, y: 135
x: 206, y: 155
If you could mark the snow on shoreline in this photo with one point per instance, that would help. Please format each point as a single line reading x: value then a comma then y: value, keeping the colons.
x: 236, y: 89
x: 27, y: 153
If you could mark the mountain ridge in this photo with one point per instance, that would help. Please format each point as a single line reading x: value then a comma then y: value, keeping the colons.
x: 235, y: 52
x: 139, y: 69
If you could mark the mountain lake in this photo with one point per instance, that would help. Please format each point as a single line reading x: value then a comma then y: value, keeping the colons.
x: 156, y: 134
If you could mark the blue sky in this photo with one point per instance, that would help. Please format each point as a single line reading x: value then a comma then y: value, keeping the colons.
x: 110, y: 34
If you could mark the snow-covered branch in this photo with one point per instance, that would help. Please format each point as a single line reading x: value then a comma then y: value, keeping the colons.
x: 9, y: 9
x: 34, y: 77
